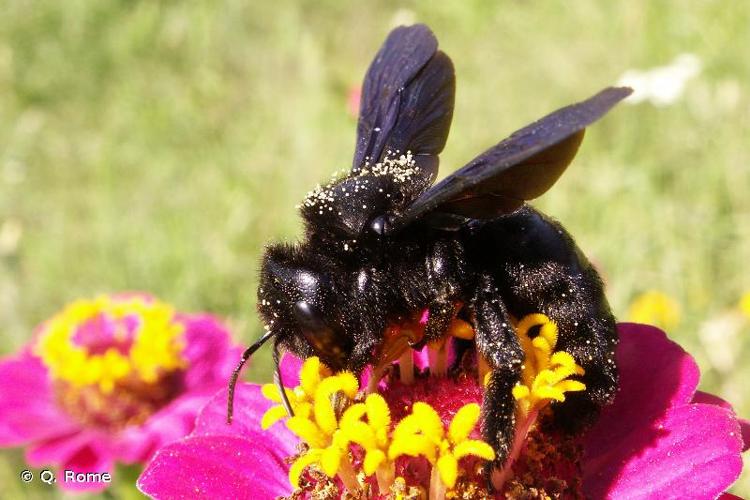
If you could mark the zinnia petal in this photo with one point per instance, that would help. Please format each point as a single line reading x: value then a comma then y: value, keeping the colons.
x: 80, y: 452
x: 22, y: 418
x: 63, y: 448
x: 95, y: 457
x: 208, y: 350
x: 249, y: 406
x: 290, y: 367
x: 216, y: 467
x: 652, y: 442
x: 656, y: 374
x: 693, y: 453
x: 704, y: 397
x: 176, y: 420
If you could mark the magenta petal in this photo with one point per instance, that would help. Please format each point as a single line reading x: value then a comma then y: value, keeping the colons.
x: 93, y: 457
x: 651, y: 442
x: 745, y: 429
x: 422, y: 357
x: 656, y: 374
x: 208, y: 350
x: 290, y: 367
x: 696, y: 455
x: 24, y: 418
x: 704, y: 397
x: 216, y: 467
x: 174, y: 421
x: 249, y: 406
x: 710, y: 399
x: 85, y: 451
x: 62, y: 448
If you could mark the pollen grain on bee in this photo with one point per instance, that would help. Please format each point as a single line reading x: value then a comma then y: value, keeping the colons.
x: 400, y: 167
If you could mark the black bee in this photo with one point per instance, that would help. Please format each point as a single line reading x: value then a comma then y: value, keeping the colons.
x: 382, y: 243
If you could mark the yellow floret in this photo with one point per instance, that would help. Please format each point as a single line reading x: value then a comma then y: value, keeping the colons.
x: 300, y: 398
x: 422, y: 433
x: 371, y: 435
x: 315, y: 420
x: 545, y: 373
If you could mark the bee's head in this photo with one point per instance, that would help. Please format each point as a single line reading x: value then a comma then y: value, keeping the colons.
x: 297, y: 300
x: 356, y: 210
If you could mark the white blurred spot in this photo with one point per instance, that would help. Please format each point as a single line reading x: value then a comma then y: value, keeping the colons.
x: 403, y: 17
x: 10, y: 234
x: 663, y: 85
x: 719, y: 336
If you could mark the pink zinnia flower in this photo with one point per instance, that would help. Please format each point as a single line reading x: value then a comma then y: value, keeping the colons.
x: 659, y: 439
x: 110, y: 379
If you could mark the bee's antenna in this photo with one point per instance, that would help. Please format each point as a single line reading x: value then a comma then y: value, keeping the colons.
x: 236, y: 373
x: 278, y: 380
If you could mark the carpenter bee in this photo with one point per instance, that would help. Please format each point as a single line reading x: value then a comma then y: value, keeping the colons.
x: 382, y: 243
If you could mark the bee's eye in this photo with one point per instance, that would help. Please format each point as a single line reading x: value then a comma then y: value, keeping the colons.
x: 308, y: 317
x: 319, y: 334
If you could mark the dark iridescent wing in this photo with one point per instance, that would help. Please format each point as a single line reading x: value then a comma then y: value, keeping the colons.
x: 407, y: 100
x: 521, y: 167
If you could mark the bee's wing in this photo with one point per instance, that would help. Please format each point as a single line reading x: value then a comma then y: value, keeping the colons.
x: 407, y: 100
x: 521, y: 167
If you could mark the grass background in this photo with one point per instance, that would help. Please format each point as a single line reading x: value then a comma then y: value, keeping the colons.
x: 158, y: 145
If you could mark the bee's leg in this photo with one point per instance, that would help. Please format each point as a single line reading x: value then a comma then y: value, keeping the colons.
x: 587, y: 330
x: 575, y: 301
x: 592, y: 345
x: 440, y: 316
x: 362, y: 354
x: 446, y: 269
x: 497, y: 342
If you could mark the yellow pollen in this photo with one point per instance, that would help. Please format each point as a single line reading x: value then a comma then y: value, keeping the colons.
x: 546, y: 373
x: 154, y: 349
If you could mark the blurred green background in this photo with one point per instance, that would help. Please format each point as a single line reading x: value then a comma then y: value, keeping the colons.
x: 159, y: 145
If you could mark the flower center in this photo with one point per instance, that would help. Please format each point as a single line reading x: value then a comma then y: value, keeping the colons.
x: 414, y: 430
x: 113, y: 360
x: 353, y: 438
